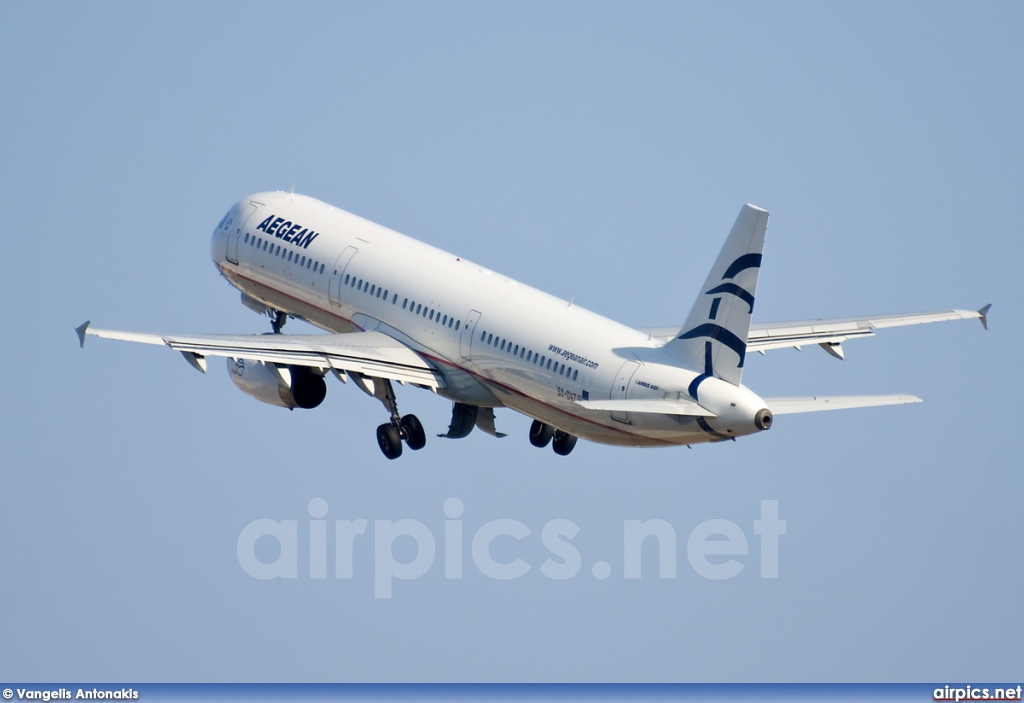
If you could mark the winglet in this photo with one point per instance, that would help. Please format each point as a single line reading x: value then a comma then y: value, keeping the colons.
x: 84, y: 326
x: 982, y: 315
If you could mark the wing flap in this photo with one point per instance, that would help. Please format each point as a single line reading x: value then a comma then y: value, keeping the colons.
x: 810, y: 404
x: 372, y: 354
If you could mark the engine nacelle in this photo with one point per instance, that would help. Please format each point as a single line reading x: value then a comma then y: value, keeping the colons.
x: 305, y: 387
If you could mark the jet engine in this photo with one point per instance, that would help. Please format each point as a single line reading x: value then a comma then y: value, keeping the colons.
x: 287, y: 387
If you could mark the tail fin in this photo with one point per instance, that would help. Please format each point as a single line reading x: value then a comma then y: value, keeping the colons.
x: 714, y: 338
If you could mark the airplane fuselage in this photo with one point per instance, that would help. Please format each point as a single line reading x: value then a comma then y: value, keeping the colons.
x: 495, y: 341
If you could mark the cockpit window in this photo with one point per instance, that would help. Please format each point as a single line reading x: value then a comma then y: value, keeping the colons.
x: 224, y: 220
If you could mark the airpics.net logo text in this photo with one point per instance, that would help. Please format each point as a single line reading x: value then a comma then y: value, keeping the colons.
x: 714, y: 548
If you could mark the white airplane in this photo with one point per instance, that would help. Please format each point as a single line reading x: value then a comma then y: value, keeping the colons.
x: 396, y: 309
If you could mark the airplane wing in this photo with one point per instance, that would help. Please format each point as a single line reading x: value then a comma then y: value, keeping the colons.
x: 830, y: 334
x: 372, y: 354
x: 811, y: 404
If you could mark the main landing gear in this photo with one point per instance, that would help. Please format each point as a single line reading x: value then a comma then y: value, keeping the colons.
x: 390, y: 435
x: 541, y: 434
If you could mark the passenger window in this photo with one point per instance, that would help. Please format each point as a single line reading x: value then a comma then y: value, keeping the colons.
x: 246, y: 240
x: 373, y: 289
x: 346, y: 279
x: 549, y: 365
x: 489, y: 339
x: 444, y: 320
x: 457, y: 323
x: 405, y: 301
x: 482, y: 335
x: 575, y: 374
x: 431, y: 313
x: 516, y: 350
x: 419, y: 308
x: 394, y: 301
x: 522, y: 353
x: 289, y: 256
x: 385, y: 294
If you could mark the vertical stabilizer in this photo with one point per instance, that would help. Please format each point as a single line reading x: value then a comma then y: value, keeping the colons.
x: 714, y: 337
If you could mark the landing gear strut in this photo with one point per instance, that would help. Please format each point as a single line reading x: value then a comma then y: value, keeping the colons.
x: 277, y: 320
x: 391, y: 434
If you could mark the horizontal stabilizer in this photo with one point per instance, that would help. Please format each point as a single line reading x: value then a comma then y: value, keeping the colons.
x: 818, y: 403
x: 657, y: 406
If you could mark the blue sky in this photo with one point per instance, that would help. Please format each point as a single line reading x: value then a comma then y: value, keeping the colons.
x: 597, y: 151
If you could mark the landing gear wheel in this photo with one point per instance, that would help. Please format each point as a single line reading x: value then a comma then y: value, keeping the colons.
x: 412, y: 430
x: 563, y: 443
x: 540, y: 434
x: 389, y: 440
